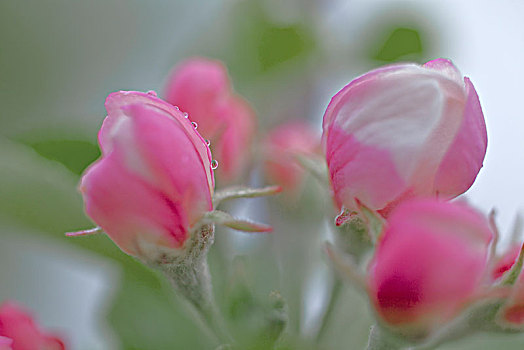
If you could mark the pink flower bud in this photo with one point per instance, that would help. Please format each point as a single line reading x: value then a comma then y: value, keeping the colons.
x: 402, y: 131
x: 281, y: 147
x: 154, y: 180
x: 201, y: 88
x: 18, y: 331
x: 429, y: 263
x: 197, y: 86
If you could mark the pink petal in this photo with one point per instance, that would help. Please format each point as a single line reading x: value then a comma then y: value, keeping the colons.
x: 17, y: 325
x: 361, y: 173
x: 129, y: 209
x: 446, y: 67
x: 465, y: 156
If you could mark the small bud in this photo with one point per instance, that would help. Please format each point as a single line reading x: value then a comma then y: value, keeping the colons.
x: 18, y: 331
x: 282, y: 146
x: 154, y: 181
x: 402, y: 131
x: 428, y: 265
x: 201, y: 88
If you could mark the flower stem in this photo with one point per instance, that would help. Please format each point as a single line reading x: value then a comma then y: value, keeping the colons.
x: 191, y: 280
x: 328, y: 314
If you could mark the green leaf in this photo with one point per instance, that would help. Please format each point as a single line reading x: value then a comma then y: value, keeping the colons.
x: 400, y: 42
x: 76, y: 155
x: 222, y: 218
x: 243, y: 192
x: 280, y: 44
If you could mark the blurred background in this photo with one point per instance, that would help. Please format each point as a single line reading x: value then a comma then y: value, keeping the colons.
x: 59, y: 59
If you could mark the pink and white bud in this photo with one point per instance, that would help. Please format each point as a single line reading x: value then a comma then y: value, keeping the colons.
x: 402, y: 131
x: 201, y: 88
x: 154, y: 180
x: 428, y: 265
x: 18, y: 331
x: 281, y: 147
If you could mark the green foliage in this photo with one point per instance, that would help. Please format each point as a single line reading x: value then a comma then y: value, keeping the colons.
x: 76, y: 155
x: 400, y: 42
x: 280, y: 44
x: 261, y: 45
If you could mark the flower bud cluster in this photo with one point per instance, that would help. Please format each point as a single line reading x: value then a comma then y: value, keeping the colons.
x: 400, y: 142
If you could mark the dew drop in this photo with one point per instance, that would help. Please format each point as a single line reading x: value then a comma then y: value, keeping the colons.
x: 152, y: 93
x: 214, y: 164
x: 186, y: 115
x: 176, y: 107
x: 208, y: 142
x: 195, y: 125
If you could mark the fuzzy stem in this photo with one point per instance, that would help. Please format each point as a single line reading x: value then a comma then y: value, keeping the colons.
x: 192, y: 281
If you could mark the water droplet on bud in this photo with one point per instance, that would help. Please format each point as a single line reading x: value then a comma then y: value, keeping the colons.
x: 152, y: 93
x: 208, y: 142
x: 195, y: 125
x: 186, y: 115
x: 214, y: 164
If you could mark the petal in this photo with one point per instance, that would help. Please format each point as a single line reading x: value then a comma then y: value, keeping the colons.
x: 148, y: 108
x: 445, y: 67
x: 361, y: 172
x: 465, y: 156
x: 173, y: 160
x: 129, y: 209
x: 17, y: 325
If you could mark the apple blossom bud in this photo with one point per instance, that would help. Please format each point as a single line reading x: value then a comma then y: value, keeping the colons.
x: 402, y: 131
x: 428, y: 265
x: 18, y: 331
x: 281, y: 147
x: 197, y: 86
x: 154, y: 181
x: 201, y: 88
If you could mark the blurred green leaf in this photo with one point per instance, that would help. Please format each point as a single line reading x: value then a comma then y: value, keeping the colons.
x: 280, y: 44
x: 260, y: 45
x: 400, y: 42
x: 76, y: 155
